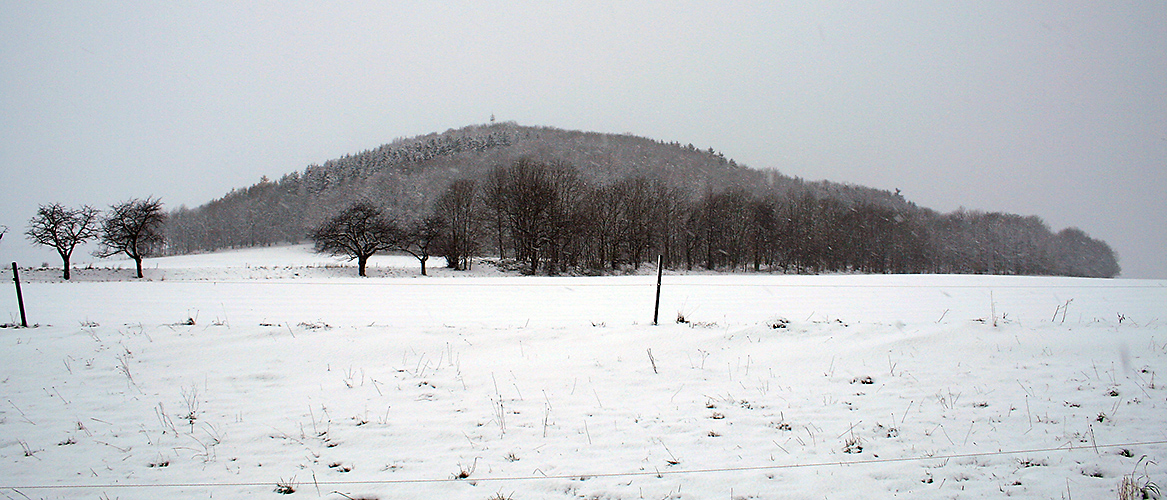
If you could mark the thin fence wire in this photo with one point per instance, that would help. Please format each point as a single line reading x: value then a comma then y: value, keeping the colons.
x: 576, y: 282
x: 658, y: 473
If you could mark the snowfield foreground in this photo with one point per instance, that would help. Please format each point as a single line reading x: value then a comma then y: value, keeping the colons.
x: 237, y: 375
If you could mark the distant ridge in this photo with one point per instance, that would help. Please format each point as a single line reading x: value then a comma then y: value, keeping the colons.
x: 405, y: 175
x: 825, y: 226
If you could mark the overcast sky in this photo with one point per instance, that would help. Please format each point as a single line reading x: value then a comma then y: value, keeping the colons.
x: 1055, y: 109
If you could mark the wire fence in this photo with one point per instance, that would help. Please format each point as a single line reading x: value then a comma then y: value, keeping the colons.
x: 614, y: 300
x: 659, y: 473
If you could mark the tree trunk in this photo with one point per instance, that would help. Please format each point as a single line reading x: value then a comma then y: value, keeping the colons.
x: 422, y: 260
x: 138, y: 263
x: 65, y: 261
x: 499, y: 225
x: 361, y: 261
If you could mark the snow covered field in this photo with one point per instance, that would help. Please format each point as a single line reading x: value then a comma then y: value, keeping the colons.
x: 295, y: 375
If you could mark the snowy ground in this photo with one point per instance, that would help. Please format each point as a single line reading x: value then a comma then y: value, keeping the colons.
x: 294, y: 373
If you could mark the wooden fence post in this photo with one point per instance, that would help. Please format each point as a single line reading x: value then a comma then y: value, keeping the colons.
x: 656, y: 309
x: 19, y: 296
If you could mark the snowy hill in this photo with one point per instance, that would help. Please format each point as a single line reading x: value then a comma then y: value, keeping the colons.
x: 594, y: 201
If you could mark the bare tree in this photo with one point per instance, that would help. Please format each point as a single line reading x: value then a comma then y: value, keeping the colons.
x: 539, y: 202
x: 420, y: 240
x: 359, y: 232
x: 494, y: 198
x: 63, y: 229
x: 526, y: 195
x: 563, y: 221
x: 638, y: 228
x: 456, y: 208
x: 133, y: 227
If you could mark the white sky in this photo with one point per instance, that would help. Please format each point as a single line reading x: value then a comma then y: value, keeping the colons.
x: 1057, y: 109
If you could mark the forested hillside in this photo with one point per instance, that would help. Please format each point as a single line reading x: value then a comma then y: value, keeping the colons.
x: 565, y: 201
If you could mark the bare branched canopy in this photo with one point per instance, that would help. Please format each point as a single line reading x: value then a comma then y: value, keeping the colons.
x: 359, y: 232
x: 457, y: 209
x: 135, y: 228
x: 421, y: 238
x: 63, y: 228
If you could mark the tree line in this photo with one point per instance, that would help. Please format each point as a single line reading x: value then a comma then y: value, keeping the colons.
x: 560, y: 201
x: 547, y: 218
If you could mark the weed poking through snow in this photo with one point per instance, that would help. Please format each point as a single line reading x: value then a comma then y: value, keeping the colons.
x: 28, y: 452
x: 853, y: 445
x: 1136, y: 486
x: 286, y: 487
x: 190, y: 397
x: 464, y: 472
